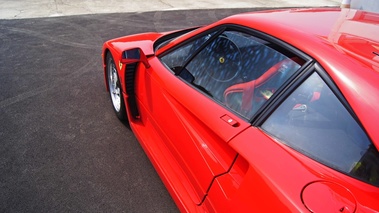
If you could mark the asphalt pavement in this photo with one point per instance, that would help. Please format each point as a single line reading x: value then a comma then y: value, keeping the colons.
x: 62, y: 149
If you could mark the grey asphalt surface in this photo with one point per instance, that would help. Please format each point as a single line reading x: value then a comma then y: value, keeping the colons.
x: 62, y: 149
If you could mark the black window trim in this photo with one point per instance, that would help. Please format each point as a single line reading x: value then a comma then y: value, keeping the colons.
x: 272, y: 102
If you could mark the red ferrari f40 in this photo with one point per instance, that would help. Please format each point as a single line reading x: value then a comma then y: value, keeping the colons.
x: 271, y: 111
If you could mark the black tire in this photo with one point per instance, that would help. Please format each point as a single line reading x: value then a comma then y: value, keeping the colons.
x: 115, y: 91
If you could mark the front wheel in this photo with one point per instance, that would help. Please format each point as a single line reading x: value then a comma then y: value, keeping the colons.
x: 115, y: 88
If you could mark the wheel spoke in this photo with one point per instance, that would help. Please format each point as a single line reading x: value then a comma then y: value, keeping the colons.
x: 114, y: 88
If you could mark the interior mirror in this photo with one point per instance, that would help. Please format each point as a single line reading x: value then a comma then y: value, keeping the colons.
x: 134, y: 55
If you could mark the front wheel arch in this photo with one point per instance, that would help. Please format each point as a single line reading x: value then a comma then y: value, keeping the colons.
x: 114, y: 87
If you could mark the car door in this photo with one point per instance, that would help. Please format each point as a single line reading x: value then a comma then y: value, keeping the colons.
x: 192, y: 125
x: 190, y: 96
x: 203, y: 93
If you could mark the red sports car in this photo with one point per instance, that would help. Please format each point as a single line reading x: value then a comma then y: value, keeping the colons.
x: 273, y: 111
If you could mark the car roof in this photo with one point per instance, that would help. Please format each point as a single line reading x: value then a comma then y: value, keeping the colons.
x: 345, y: 43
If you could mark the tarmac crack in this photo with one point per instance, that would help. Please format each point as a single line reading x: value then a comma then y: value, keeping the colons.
x: 51, y: 39
x: 57, y: 83
x: 23, y: 96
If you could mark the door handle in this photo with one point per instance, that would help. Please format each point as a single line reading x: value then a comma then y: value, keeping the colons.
x: 229, y: 120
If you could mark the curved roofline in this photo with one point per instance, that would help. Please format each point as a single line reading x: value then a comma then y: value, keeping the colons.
x: 345, y: 52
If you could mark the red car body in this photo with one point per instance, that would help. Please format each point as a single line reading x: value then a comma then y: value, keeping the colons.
x: 212, y: 158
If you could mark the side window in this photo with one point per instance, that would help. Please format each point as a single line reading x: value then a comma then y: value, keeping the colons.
x: 238, y: 70
x: 241, y: 71
x: 314, y: 122
x: 178, y: 57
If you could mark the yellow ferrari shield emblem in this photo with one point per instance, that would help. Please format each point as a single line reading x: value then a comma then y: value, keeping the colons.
x: 221, y: 60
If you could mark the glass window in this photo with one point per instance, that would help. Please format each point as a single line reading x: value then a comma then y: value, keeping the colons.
x: 177, y: 58
x: 314, y: 122
x: 236, y: 69
x: 241, y: 71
